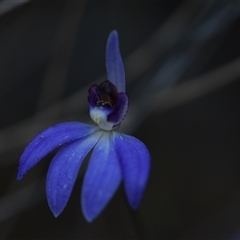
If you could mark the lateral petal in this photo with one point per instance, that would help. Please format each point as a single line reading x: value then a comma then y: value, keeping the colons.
x: 114, y: 64
x: 63, y: 171
x: 135, y: 165
x: 48, y: 140
x: 102, y: 178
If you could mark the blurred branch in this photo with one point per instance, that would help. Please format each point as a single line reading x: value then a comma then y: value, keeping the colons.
x: 197, y: 87
x: 182, y: 93
x: 8, y: 5
x: 59, y: 62
x: 194, y: 46
x: 168, y: 34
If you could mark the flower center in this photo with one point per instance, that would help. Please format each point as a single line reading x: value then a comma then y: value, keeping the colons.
x: 107, y: 106
x: 107, y: 94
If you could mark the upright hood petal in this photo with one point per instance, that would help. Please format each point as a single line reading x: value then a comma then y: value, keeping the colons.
x: 114, y: 64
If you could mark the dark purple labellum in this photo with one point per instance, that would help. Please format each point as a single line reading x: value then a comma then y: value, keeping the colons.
x: 105, y: 98
x: 104, y: 94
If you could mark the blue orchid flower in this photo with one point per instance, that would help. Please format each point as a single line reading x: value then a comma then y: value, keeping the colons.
x: 115, y: 156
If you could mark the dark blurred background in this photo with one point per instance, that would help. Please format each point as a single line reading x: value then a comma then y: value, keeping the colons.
x: 182, y: 62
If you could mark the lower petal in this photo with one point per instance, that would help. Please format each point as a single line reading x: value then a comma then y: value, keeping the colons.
x: 102, y: 178
x: 63, y: 171
x: 135, y: 165
x: 48, y: 140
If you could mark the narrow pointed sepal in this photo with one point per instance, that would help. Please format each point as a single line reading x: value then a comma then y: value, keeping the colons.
x: 50, y: 139
x: 135, y: 165
x: 63, y: 171
x: 114, y: 64
x: 102, y: 178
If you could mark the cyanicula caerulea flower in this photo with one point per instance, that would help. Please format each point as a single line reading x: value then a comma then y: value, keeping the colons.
x: 115, y: 156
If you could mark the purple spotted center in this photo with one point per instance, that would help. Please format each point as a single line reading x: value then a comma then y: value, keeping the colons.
x: 104, y: 94
x: 107, y: 105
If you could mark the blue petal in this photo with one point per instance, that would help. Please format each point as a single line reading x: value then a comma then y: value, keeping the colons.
x: 48, y: 140
x: 114, y: 64
x: 101, y: 179
x: 135, y: 165
x: 63, y: 171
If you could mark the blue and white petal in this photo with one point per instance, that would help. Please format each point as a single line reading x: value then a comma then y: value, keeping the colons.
x: 114, y: 64
x: 102, y: 178
x: 50, y: 139
x: 63, y: 171
x: 135, y: 165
